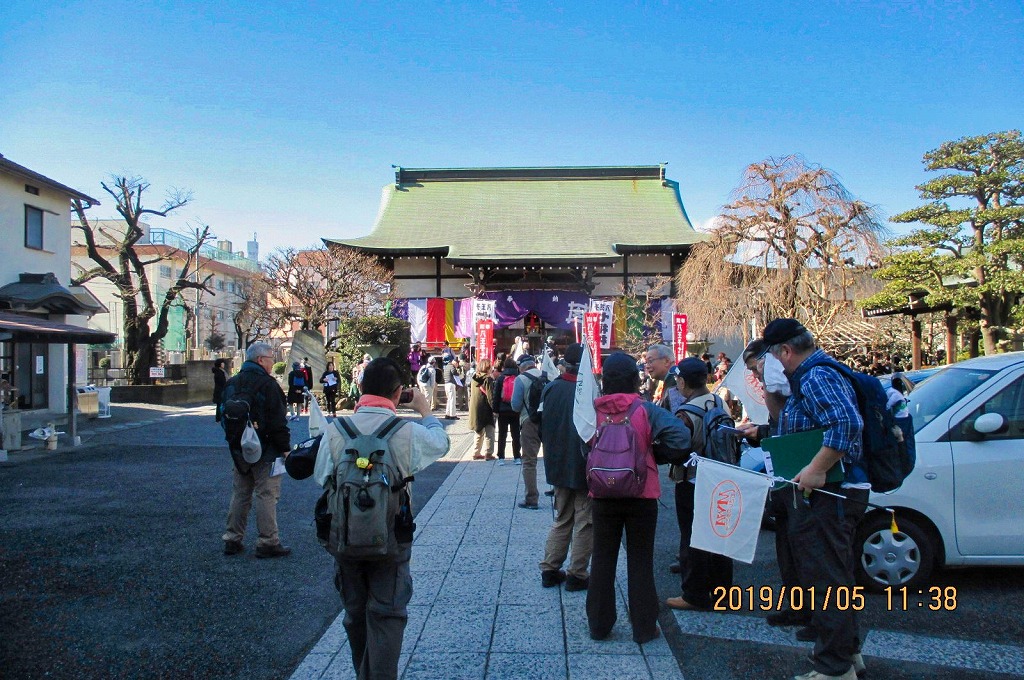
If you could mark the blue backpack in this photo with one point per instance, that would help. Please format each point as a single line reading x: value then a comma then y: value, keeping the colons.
x: 888, y: 456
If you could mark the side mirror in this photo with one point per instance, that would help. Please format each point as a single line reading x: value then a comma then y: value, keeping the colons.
x: 990, y: 423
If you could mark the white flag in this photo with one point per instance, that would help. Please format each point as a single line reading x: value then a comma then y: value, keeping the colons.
x: 745, y: 386
x: 727, y: 508
x: 584, y: 415
x: 317, y: 420
x: 547, y: 366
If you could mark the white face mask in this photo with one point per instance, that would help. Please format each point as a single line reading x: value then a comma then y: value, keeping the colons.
x: 775, y: 379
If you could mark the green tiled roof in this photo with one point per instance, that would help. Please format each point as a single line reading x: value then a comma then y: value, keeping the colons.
x: 534, y: 214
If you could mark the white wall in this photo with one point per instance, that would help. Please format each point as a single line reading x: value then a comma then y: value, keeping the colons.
x: 56, y: 231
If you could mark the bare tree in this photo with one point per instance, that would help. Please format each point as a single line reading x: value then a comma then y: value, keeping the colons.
x: 793, y: 243
x: 319, y: 285
x: 253, y: 316
x: 117, y: 259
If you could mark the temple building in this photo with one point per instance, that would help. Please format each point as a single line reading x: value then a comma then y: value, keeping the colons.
x: 542, y: 244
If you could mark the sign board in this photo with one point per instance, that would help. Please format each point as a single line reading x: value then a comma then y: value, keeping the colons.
x: 156, y: 371
x: 604, y: 308
x: 40, y: 364
x: 679, y: 336
x: 592, y: 329
x: 485, y: 340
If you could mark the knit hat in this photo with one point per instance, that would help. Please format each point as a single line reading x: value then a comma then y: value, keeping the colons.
x: 527, y: 359
x: 574, y: 353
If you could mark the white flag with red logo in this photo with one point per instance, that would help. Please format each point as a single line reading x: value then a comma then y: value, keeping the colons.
x: 727, y: 508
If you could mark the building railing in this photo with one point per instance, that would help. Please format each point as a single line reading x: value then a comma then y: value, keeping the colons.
x: 184, y: 242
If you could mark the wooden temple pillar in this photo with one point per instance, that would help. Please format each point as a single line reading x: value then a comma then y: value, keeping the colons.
x: 950, y: 338
x: 915, y: 342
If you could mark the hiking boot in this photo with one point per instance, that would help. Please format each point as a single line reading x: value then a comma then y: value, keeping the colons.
x: 478, y: 457
x: 788, y: 617
x: 807, y: 634
x: 815, y: 675
x: 550, y: 578
x: 858, y: 664
x: 575, y: 583
x: 549, y: 493
x: 490, y: 457
x: 273, y: 551
x: 233, y: 547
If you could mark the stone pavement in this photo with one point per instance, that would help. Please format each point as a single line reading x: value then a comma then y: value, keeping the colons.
x: 478, y: 609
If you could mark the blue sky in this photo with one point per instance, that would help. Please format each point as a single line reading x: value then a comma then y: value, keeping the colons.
x: 285, y: 118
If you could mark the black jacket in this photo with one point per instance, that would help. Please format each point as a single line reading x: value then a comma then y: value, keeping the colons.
x: 565, y: 454
x: 273, y: 421
x: 220, y: 379
x: 497, y: 405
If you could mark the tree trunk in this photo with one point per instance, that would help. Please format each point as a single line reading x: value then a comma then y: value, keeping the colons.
x: 950, y: 338
x: 972, y: 344
x: 915, y: 343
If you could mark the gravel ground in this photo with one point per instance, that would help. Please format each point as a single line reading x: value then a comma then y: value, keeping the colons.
x: 111, y: 561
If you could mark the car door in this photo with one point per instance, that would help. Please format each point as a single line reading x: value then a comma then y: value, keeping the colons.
x: 988, y: 473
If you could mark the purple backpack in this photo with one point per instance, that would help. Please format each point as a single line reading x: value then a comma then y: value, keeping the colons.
x: 617, y: 463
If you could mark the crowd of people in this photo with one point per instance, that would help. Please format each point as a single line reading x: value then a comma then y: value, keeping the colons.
x: 664, y: 405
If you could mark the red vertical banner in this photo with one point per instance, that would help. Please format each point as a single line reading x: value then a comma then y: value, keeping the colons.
x: 679, y: 336
x: 592, y: 329
x: 485, y: 340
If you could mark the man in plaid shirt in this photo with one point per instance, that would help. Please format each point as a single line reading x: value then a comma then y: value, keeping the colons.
x: 819, y: 528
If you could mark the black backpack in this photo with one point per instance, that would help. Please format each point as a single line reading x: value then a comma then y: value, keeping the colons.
x: 721, y: 445
x: 887, y: 457
x: 534, y: 396
x: 243, y: 403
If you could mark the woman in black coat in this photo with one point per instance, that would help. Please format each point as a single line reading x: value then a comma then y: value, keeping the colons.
x: 331, y: 380
x: 220, y: 379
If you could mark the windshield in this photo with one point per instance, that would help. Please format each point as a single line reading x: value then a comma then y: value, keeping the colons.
x: 932, y: 397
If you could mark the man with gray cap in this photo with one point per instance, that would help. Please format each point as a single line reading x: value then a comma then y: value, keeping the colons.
x: 254, y: 395
x: 529, y: 431
x: 565, y: 466
x: 821, y: 527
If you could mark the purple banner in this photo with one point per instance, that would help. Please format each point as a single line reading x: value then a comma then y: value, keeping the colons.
x: 556, y: 307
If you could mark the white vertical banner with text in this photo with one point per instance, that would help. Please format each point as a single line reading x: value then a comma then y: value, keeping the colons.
x: 727, y: 508
x: 605, y: 308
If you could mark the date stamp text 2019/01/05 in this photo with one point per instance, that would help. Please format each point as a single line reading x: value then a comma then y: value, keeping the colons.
x: 769, y: 598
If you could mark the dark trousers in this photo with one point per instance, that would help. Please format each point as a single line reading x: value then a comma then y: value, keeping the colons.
x: 701, y: 572
x: 375, y: 595
x: 820, y: 532
x: 331, y: 397
x: 506, y: 422
x: 781, y: 502
x: 637, y: 518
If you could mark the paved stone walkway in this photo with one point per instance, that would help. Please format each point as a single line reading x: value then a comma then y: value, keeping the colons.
x: 478, y: 609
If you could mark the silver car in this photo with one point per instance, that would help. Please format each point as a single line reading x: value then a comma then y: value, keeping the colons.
x: 964, y: 502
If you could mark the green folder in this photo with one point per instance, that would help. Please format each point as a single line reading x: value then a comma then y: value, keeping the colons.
x: 792, y: 452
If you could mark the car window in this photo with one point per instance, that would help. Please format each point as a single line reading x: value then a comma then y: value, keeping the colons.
x: 933, y: 396
x: 1009, y: 403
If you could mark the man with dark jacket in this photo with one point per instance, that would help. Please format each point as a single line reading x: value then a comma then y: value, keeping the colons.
x: 565, y: 466
x: 254, y: 385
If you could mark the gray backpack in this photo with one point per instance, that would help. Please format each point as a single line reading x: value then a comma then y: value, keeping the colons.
x: 719, y: 444
x: 364, y: 513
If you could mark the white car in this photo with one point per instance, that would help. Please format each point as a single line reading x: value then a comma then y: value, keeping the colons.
x: 964, y: 502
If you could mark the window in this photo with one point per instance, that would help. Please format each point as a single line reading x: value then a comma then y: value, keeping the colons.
x: 220, y: 285
x: 165, y: 271
x: 220, y: 316
x: 33, y: 228
x: 32, y: 190
x: 1009, y: 403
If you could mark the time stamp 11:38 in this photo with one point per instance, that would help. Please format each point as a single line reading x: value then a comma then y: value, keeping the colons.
x: 767, y: 598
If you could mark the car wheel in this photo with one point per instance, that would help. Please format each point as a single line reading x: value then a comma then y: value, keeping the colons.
x: 905, y: 558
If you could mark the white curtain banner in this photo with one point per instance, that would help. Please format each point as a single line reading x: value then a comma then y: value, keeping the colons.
x: 418, y: 320
x: 727, y: 508
x: 482, y: 310
x: 605, y: 307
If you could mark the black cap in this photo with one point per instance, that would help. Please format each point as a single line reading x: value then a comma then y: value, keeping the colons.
x: 618, y: 364
x: 781, y: 330
x: 573, y: 353
x: 527, y: 359
x: 692, y: 369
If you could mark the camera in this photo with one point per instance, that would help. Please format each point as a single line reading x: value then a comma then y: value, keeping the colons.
x: 406, y: 396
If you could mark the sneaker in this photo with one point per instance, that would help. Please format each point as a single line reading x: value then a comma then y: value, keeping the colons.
x: 273, y: 551
x: 550, y: 578
x: 858, y: 663
x: 807, y: 634
x: 233, y: 547
x: 519, y: 461
x: 490, y: 457
x: 575, y: 583
x: 815, y: 675
x: 788, y: 617
x: 478, y: 457
x: 529, y: 506
x: 501, y: 461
